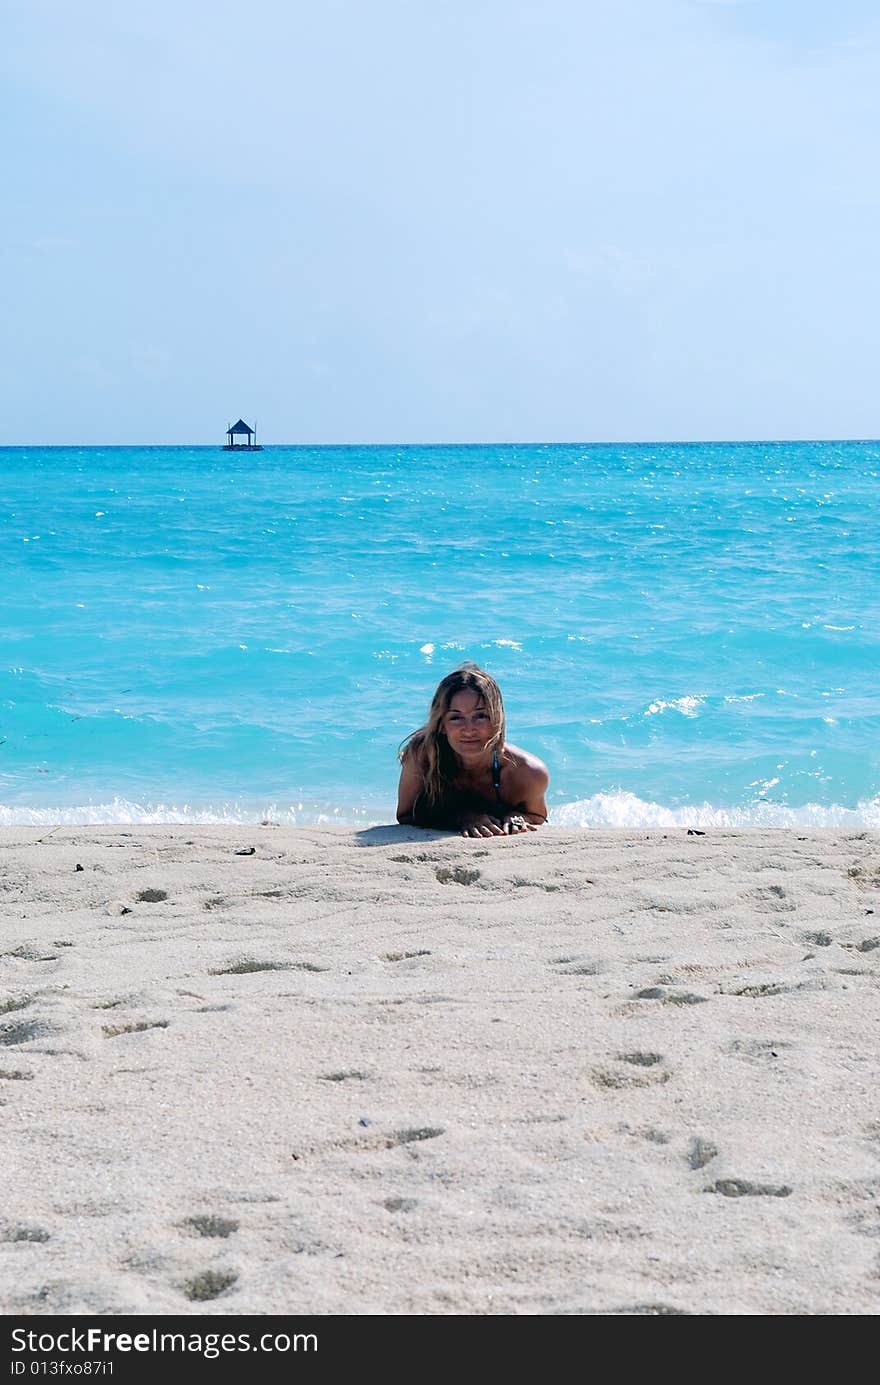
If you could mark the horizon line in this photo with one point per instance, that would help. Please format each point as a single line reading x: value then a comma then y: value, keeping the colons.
x: 574, y: 442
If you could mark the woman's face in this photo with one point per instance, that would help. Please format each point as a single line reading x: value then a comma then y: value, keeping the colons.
x: 468, y: 725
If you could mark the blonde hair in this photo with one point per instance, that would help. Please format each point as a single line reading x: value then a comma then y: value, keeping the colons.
x: 429, y: 747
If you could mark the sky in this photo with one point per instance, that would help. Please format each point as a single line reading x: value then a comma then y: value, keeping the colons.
x: 389, y: 221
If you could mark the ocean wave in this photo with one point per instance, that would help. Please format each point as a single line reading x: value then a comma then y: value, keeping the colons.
x: 121, y: 811
x: 688, y: 706
x: 604, y: 810
x: 626, y: 810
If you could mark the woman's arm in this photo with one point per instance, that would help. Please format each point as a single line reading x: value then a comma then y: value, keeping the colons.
x: 408, y: 790
x: 534, y: 804
x: 527, y: 789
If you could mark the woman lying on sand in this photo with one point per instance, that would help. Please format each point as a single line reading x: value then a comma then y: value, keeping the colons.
x: 459, y: 773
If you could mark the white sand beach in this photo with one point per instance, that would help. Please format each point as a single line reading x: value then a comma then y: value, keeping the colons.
x: 394, y: 1072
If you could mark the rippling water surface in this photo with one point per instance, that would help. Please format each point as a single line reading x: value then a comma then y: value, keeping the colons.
x: 686, y: 633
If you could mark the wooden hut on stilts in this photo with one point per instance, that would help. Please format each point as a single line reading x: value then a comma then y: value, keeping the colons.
x: 239, y: 430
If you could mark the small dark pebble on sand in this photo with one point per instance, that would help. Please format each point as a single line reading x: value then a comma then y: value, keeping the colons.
x: 245, y: 851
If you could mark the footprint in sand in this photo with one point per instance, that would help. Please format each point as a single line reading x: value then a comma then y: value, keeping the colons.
x: 13, y: 1234
x: 758, y: 990
x: 400, y: 1204
x: 866, y: 876
x: 636, y: 1069
x: 645, y: 1132
x: 8, y: 1006
x: 370, y: 1141
x: 580, y: 966
x: 653, y: 1310
x: 246, y: 966
x: 415, y: 1135
x: 759, y: 1048
x: 866, y: 945
x: 741, y: 1187
x: 22, y: 1031
x: 458, y: 875
x: 95, y: 1209
x: 862, y: 1197
x: 207, y: 1285
x: 206, y: 1224
x: 113, y: 1031
x: 522, y: 883
x: 701, y: 1152
x: 29, y: 952
x: 670, y: 997
x: 773, y: 898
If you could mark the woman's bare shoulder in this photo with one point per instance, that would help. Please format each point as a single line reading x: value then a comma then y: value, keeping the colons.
x: 410, y: 752
x: 525, y: 765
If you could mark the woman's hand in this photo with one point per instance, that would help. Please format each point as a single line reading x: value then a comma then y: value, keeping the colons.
x: 482, y: 825
x: 508, y: 825
x: 515, y: 822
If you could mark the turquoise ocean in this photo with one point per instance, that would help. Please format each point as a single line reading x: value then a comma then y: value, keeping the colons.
x: 687, y: 634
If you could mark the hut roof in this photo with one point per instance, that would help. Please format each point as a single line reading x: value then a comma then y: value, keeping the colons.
x: 240, y: 427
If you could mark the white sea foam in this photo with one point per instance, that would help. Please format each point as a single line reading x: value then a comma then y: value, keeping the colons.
x: 604, y: 810
x: 120, y: 811
x: 625, y: 810
x: 688, y: 706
